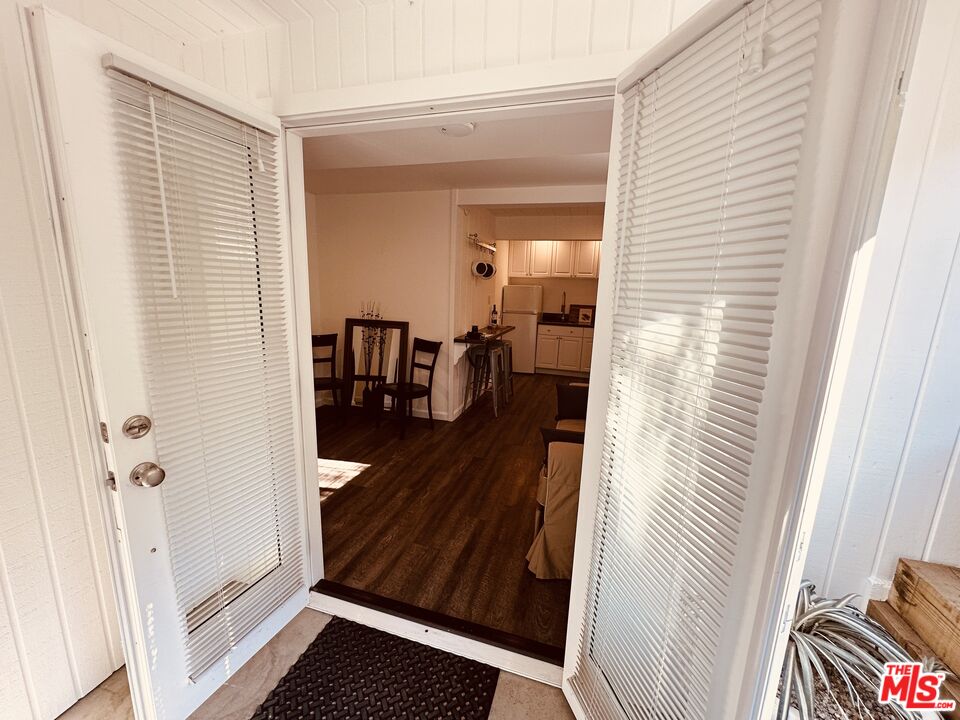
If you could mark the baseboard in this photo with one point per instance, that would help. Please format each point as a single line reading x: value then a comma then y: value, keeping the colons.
x: 422, y: 413
x: 461, y: 409
x: 563, y: 373
x: 417, y: 412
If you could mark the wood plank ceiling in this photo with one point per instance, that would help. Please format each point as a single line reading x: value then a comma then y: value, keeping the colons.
x: 258, y: 48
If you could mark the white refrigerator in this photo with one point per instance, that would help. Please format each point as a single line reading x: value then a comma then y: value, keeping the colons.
x: 521, y: 307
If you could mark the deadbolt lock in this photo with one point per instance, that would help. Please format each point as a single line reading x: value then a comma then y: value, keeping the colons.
x: 147, y: 474
x: 136, y: 426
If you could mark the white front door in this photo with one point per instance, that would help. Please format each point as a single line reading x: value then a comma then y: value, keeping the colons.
x: 174, y: 218
x: 703, y: 395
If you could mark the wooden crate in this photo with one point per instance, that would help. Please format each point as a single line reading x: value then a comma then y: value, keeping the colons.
x: 886, y: 615
x: 927, y: 596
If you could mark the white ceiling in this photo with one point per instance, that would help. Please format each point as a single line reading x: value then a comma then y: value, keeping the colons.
x: 567, y: 149
x: 570, y: 134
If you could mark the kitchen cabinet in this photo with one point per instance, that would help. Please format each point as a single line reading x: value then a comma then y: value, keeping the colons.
x: 568, y: 353
x: 563, y: 347
x: 518, y: 263
x: 587, y: 259
x: 554, y: 258
x: 586, y: 353
x: 541, y: 258
x: 564, y: 255
x: 548, y: 349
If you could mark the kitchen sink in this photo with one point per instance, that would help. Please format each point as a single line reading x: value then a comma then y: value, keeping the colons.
x: 560, y: 319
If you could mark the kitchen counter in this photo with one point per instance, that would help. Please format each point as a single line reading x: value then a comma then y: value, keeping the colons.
x: 565, y: 323
x: 487, y: 334
x: 570, y: 319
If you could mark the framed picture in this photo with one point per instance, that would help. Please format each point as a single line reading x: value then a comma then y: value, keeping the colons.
x: 585, y: 316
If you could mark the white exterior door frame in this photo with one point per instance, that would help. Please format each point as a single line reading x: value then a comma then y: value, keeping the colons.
x: 518, y: 103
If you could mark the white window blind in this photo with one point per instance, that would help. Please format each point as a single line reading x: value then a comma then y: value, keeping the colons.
x: 202, y: 194
x: 709, y: 152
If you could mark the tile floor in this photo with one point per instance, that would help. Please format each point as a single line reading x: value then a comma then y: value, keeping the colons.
x: 516, y: 698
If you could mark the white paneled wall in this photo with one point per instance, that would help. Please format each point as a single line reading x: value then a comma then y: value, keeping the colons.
x: 892, y: 484
x: 325, y: 44
x: 279, y: 48
x: 149, y: 25
x: 58, y: 623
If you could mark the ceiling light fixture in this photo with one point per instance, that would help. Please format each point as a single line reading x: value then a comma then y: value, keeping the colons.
x: 458, y: 130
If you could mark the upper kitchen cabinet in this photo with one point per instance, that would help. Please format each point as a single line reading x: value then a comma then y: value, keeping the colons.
x: 519, y: 262
x: 564, y: 254
x: 541, y: 258
x: 554, y: 258
x: 587, y: 259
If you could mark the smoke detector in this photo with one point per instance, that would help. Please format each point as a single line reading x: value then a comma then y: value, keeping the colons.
x: 458, y: 129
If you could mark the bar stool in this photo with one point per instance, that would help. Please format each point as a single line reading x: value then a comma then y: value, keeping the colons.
x: 476, y: 363
x: 508, y: 369
x: 497, y: 385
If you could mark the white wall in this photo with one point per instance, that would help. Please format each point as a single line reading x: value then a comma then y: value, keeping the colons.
x: 475, y: 295
x: 892, y: 485
x: 221, y: 42
x: 287, y: 54
x: 58, y: 623
x: 392, y: 248
x: 549, y: 226
x: 316, y: 45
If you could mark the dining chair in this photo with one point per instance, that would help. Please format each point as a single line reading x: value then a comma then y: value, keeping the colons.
x: 330, y: 381
x: 402, y: 394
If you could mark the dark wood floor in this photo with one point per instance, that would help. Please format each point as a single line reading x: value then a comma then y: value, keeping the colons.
x: 442, y: 520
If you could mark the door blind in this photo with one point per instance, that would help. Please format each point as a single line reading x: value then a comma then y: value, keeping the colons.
x: 202, y: 194
x: 709, y: 150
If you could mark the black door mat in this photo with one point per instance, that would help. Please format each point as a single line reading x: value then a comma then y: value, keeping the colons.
x: 352, y: 671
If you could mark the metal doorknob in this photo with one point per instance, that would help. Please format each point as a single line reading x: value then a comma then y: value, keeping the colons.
x: 147, y: 474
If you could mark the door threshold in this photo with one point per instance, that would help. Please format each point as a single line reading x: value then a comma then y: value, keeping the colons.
x: 529, y: 658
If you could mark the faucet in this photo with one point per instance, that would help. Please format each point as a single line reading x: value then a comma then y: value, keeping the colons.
x: 563, y: 306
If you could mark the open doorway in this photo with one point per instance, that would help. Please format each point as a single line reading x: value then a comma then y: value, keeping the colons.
x: 472, y: 250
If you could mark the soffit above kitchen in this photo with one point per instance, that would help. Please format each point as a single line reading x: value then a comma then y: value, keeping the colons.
x: 569, y: 149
